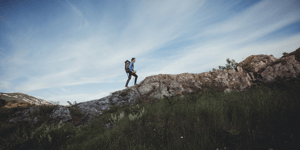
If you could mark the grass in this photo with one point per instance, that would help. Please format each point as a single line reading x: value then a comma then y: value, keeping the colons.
x: 261, y: 118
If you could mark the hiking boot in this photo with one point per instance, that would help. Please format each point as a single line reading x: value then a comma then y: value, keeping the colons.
x: 135, y: 84
x: 126, y: 86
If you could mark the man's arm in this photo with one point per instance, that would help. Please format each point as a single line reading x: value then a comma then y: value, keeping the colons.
x: 130, y: 66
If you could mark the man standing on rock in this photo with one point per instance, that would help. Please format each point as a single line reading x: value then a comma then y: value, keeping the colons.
x: 131, y: 72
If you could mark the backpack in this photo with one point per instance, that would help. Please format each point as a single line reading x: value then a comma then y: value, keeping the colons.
x: 127, y: 66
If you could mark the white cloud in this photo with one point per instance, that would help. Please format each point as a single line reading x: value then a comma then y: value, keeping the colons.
x: 65, y: 90
x: 79, y: 13
x: 4, y: 84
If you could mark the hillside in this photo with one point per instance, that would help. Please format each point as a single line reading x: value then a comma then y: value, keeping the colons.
x: 21, y: 97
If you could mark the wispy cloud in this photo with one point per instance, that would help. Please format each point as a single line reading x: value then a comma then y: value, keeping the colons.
x: 78, y: 12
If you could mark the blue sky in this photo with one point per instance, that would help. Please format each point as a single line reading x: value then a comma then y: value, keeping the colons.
x: 72, y: 50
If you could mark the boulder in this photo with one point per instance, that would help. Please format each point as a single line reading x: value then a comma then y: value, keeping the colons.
x: 285, y: 67
x: 62, y: 113
x: 227, y: 90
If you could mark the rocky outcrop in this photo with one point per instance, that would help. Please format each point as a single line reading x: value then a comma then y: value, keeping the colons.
x: 62, y: 113
x: 25, y: 115
x: 253, y: 71
x: 24, y: 98
x: 89, y: 108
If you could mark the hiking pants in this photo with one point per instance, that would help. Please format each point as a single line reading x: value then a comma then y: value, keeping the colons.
x: 129, y: 77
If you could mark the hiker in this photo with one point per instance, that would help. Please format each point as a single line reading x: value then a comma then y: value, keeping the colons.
x: 129, y: 69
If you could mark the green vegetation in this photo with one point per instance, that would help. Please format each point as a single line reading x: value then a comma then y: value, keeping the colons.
x: 261, y: 118
x: 285, y: 54
x: 230, y: 65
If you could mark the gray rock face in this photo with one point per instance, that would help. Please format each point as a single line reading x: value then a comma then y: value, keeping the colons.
x: 253, y: 70
x: 24, y: 115
x: 289, y: 67
x: 118, y: 98
x: 89, y: 108
x: 62, y: 113
x: 97, y: 106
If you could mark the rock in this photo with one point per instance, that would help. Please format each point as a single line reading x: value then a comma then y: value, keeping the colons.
x: 88, y: 108
x: 25, y: 115
x: 227, y: 90
x: 109, y: 125
x: 254, y: 69
x: 35, y: 120
x: 254, y: 63
x: 286, y: 67
x: 62, y: 113
x: 118, y: 98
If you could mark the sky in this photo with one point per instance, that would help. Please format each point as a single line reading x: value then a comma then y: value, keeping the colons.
x: 75, y: 50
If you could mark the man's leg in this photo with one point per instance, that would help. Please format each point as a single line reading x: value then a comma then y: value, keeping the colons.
x: 136, y: 76
x: 129, y: 77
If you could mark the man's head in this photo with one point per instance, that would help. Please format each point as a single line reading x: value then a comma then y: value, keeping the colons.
x: 133, y: 60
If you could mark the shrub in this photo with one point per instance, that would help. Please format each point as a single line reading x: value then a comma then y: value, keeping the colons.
x: 230, y: 65
x: 132, y: 117
x: 123, y: 94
